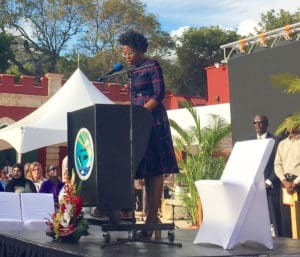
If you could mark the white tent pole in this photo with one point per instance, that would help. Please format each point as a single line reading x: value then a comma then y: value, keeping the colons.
x: 19, y: 157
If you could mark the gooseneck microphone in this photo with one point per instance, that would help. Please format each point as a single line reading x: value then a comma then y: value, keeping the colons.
x: 116, y: 68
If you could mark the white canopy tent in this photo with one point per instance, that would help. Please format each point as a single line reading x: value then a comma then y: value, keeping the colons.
x: 47, y: 125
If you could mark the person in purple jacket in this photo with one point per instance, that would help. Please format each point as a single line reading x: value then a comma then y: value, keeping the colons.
x: 53, y: 184
x: 148, y: 90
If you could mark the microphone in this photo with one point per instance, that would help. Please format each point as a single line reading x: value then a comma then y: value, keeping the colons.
x: 117, y: 67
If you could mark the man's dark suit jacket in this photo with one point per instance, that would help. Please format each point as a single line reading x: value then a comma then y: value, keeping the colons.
x: 269, y: 172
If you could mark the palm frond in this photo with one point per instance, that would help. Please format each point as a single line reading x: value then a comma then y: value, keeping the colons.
x: 196, y: 119
x: 290, y: 122
x: 289, y: 82
x: 182, y: 133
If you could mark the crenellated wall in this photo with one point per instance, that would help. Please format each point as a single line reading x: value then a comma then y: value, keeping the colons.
x: 26, y: 86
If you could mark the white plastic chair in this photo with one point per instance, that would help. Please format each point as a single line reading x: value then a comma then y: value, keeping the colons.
x: 36, y: 208
x: 10, y: 212
x: 235, y: 208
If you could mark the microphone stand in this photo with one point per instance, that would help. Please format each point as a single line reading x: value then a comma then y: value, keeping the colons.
x: 129, y: 74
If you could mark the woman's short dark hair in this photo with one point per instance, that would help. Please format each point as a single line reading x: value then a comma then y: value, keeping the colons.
x: 135, y: 40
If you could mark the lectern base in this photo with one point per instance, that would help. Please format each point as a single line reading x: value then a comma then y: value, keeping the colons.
x: 133, y: 230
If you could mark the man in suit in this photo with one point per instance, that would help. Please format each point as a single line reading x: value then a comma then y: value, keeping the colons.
x: 272, y: 182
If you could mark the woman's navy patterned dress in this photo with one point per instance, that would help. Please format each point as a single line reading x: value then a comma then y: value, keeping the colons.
x: 147, y: 83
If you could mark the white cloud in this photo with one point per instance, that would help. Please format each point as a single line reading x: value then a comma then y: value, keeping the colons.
x: 178, y: 32
x: 246, y: 27
x: 234, y: 14
x: 26, y: 26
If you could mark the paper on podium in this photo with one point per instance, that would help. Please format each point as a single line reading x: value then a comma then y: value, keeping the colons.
x: 235, y: 208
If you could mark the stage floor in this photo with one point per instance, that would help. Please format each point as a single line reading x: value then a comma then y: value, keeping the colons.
x: 90, y: 246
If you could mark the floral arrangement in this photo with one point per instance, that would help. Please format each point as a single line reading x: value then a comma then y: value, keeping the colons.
x: 67, y: 223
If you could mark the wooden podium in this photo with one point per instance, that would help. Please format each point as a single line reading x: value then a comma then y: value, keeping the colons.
x: 295, y: 217
x: 106, y: 143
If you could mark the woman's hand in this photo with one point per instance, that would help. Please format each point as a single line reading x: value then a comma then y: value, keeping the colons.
x: 150, y: 105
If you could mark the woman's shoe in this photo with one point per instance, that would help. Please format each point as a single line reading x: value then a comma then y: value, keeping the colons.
x: 148, y: 233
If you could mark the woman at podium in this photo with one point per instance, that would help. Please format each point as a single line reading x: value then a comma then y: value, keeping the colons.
x: 147, y: 89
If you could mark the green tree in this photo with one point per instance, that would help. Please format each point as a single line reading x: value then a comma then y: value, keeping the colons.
x: 49, y: 31
x: 6, y: 54
x: 201, y: 162
x: 106, y: 19
x: 290, y: 83
x: 272, y: 20
x: 43, y: 28
x: 196, y: 50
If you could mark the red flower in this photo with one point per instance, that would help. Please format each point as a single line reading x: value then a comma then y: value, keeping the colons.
x: 63, y: 207
x: 78, y: 205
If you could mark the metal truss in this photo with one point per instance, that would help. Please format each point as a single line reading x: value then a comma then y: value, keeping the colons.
x: 265, y: 39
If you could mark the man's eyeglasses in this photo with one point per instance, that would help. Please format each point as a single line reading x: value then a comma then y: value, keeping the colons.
x: 129, y: 54
x: 259, y: 122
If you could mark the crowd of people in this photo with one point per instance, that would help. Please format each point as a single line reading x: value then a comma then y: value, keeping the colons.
x: 29, y: 178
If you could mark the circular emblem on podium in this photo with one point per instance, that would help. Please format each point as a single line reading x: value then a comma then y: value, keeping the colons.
x: 84, y: 153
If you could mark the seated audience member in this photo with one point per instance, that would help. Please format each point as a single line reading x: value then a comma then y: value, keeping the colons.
x: 64, y: 170
x: 19, y: 183
x: 26, y: 169
x: 1, y: 188
x: 3, y: 178
x: 53, y: 184
x: 8, y: 169
x: 36, y: 175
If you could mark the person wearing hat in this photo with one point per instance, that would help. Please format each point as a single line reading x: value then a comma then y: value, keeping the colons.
x: 53, y: 184
x: 19, y: 183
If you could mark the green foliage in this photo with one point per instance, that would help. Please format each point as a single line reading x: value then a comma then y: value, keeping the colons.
x: 290, y: 83
x: 198, y: 48
x: 44, y: 27
x: 272, y: 20
x: 106, y: 20
x: 48, y: 29
x: 90, y: 28
x: 199, y: 163
x: 6, y: 54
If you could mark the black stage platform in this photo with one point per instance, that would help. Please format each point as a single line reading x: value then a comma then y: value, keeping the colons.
x: 37, y: 244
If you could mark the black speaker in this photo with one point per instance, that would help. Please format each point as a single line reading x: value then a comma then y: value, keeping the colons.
x: 106, y: 143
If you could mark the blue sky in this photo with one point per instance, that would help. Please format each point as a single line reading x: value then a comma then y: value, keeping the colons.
x: 240, y: 15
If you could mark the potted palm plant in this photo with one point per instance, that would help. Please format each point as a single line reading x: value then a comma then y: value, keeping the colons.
x: 201, y: 161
